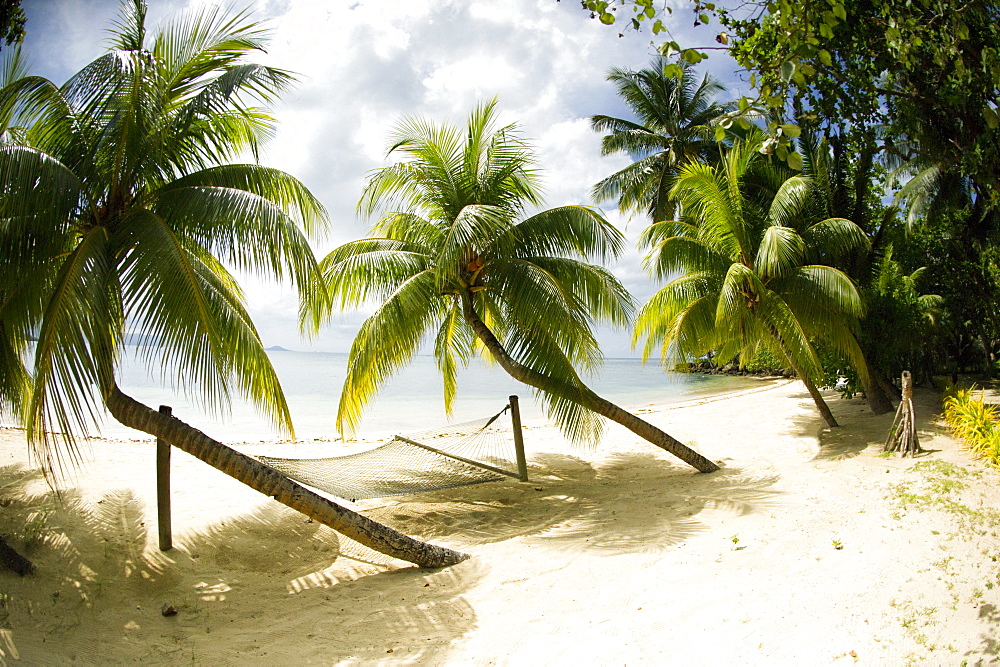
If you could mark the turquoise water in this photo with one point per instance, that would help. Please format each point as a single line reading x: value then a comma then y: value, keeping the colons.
x: 411, y: 401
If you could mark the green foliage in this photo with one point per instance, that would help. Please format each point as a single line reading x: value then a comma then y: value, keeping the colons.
x: 975, y: 421
x: 120, y: 206
x: 644, y: 12
x: 678, y: 121
x: 966, y: 276
x: 900, y: 325
x: 929, y: 72
x: 764, y: 360
x: 452, y: 247
x: 898, y: 322
x: 751, y: 283
x: 900, y: 316
x: 12, y: 20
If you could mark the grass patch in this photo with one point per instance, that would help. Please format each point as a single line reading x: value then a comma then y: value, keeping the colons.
x: 940, y: 486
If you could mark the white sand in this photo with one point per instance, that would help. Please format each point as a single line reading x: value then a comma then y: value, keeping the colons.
x: 617, y: 556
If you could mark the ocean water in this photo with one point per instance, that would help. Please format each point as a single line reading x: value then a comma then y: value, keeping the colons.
x: 411, y: 401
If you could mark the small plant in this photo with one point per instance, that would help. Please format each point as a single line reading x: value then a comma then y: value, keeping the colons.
x: 837, y: 545
x: 735, y: 539
x: 35, y: 529
x: 975, y: 422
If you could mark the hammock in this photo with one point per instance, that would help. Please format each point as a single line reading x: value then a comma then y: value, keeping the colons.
x: 457, y: 455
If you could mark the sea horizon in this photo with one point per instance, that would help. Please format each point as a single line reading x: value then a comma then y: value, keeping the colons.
x: 411, y: 401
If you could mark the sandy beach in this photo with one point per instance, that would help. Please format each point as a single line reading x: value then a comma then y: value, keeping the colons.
x: 809, y: 547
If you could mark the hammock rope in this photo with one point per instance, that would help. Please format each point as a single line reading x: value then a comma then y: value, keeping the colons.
x: 471, y: 452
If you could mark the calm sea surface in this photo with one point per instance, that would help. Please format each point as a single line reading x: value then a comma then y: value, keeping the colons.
x: 410, y: 402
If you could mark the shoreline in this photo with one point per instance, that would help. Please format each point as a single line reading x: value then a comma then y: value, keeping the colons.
x: 806, y: 547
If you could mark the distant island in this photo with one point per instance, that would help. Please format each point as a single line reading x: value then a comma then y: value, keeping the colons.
x: 276, y: 348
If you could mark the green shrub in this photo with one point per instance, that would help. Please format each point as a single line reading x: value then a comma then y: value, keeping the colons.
x: 762, y: 360
x: 975, y: 422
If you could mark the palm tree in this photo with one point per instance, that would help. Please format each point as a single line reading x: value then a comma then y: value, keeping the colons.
x: 753, y: 277
x: 453, y: 257
x: 119, y: 205
x: 675, y: 125
x: 842, y: 190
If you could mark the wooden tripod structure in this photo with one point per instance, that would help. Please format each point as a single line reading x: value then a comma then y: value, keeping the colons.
x: 903, y: 434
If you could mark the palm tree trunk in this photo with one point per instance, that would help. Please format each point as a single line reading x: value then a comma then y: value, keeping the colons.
x: 875, y: 393
x: 888, y: 387
x: 261, y: 478
x: 581, y: 394
x: 14, y: 560
x: 817, y: 397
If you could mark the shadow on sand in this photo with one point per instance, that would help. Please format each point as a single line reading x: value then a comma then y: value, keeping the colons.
x: 848, y: 440
x: 572, y: 502
x: 264, y: 586
x: 258, y: 588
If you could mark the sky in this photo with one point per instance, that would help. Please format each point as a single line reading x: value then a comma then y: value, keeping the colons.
x: 363, y: 65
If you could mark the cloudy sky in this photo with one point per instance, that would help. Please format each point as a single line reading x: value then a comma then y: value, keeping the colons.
x: 365, y: 64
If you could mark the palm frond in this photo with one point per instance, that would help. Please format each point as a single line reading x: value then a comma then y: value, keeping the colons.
x: 780, y: 251
x: 535, y: 300
x: 823, y: 287
x: 790, y: 202
x: 675, y: 125
x: 683, y: 253
x: 371, y: 269
x: 74, y: 354
x: 385, y: 343
x: 779, y: 322
x: 453, y: 346
x: 180, y: 296
x: 836, y: 238
x: 474, y: 229
x: 565, y: 230
x: 199, y: 43
x: 680, y: 318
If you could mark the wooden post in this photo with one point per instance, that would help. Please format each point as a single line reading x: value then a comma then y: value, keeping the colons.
x: 903, y: 436
x: 515, y: 419
x: 163, y: 488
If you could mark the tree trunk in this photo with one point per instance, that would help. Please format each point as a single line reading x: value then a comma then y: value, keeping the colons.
x: 817, y: 397
x: 14, y: 560
x: 875, y: 394
x: 889, y: 388
x: 988, y: 351
x: 581, y: 395
x: 261, y: 478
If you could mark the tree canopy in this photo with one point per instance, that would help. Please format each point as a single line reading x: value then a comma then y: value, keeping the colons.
x: 457, y: 257
x: 121, y: 202
x: 926, y: 72
x: 676, y: 120
x: 754, y: 272
x: 12, y: 21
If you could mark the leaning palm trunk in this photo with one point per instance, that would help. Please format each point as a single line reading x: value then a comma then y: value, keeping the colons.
x: 875, y: 393
x: 817, y: 397
x: 271, y: 483
x: 873, y: 383
x: 582, y: 395
x: 13, y: 560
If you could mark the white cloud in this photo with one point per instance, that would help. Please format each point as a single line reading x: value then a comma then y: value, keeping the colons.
x: 365, y: 64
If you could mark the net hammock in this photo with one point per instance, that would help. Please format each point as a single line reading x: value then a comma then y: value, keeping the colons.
x: 443, y: 458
